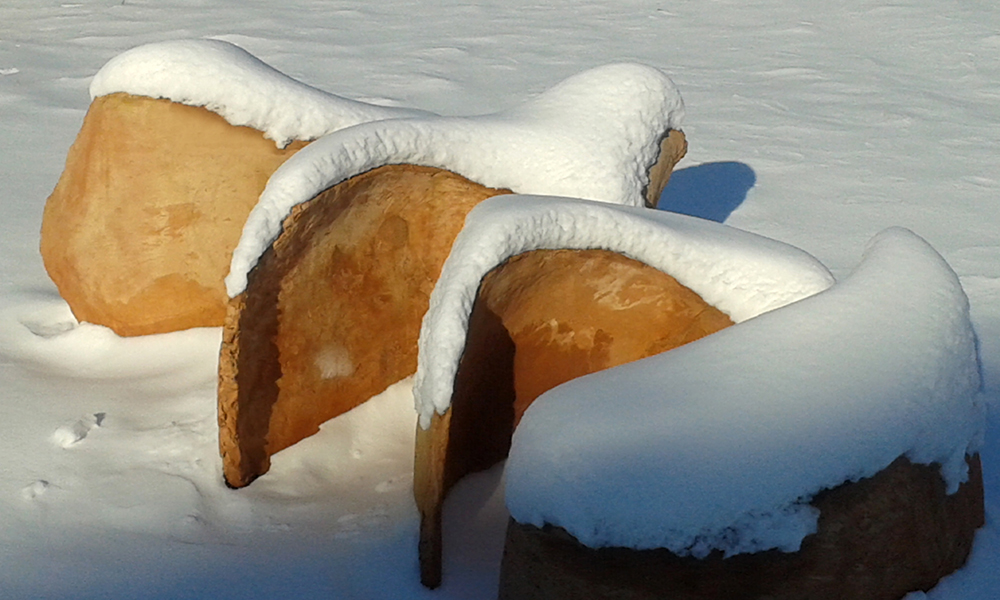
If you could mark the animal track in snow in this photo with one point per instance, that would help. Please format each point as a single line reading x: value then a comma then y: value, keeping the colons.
x: 36, y: 489
x: 353, y: 525
x: 71, y: 434
x: 349, y: 527
x: 393, y: 484
x: 51, y: 322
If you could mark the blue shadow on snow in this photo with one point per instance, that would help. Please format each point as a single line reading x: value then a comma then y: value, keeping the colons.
x: 710, y: 191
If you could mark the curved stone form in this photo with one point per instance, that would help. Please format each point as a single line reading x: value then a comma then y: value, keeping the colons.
x: 840, y: 463
x: 178, y: 144
x: 608, y: 134
x: 356, y: 223
x: 882, y: 364
x: 139, y: 231
x: 540, y: 319
x: 332, y: 312
x: 877, y: 539
x: 527, y: 301
x: 371, y: 248
x: 742, y: 274
x: 807, y: 396
x: 157, y: 191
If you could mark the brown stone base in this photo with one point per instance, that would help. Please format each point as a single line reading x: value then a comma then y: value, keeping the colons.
x: 878, y: 539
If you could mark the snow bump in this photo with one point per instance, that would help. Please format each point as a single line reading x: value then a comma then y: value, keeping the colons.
x: 593, y: 136
x: 740, y: 273
x: 721, y: 443
x: 236, y: 85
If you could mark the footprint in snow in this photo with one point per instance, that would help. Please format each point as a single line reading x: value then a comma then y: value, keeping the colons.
x: 35, y: 490
x: 353, y: 525
x: 348, y: 527
x: 47, y: 325
x: 71, y: 434
x: 393, y: 484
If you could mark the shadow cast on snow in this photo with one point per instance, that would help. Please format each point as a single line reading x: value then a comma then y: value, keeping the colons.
x: 710, y: 191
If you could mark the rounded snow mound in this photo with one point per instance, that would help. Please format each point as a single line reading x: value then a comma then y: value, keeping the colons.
x: 593, y: 136
x: 740, y: 273
x: 236, y: 85
x: 721, y: 444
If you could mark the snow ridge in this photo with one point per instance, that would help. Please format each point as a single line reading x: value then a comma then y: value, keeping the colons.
x: 720, y: 444
x: 740, y: 273
x: 236, y: 85
x: 593, y: 136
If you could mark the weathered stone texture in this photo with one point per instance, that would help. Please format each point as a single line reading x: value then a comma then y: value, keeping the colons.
x: 878, y: 539
x: 139, y: 231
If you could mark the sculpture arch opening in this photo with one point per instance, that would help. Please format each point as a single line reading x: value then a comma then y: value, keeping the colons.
x: 540, y: 319
x: 332, y: 311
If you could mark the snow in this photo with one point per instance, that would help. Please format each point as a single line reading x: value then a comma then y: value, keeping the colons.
x: 814, y: 123
x: 594, y: 136
x: 721, y: 444
x: 741, y: 274
x: 234, y: 84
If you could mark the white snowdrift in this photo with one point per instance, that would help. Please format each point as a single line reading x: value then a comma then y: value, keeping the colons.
x: 721, y: 443
x: 740, y: 273
x: 46, y: 338
x: 236, y: 85
x: 593, y: 136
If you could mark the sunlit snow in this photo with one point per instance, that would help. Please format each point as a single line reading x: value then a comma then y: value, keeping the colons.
x: 720, y: 444
x: 230, y: 81
x: 741, y: 274
x: 593, y: 135
x: 818, y: 124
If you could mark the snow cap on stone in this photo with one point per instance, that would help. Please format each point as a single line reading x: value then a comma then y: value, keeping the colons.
x: 740, y: 273
x: 236, y: 85
x: 721, y: 443
x: 593, y: 136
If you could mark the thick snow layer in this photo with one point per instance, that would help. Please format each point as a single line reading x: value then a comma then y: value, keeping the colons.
x: 594, y: 136
x: 721, y: 443
x: 233, y: 83
x: 739, y: 273
x: 850, y: 116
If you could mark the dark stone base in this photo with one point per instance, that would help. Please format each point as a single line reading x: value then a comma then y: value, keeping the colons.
x: 878, y: 539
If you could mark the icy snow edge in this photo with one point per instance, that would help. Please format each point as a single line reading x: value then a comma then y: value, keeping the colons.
x: 236, y: 85
x: 740, y: 273
x: 594, y: 135
x: 721, y: 444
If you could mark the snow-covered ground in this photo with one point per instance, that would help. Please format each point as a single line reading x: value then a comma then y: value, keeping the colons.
x: 818, y: 124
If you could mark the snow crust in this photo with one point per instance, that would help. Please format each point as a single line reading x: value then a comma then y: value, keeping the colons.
x: 236, y: 85
x: 739, y: 273
x: 593, y: 136
x: 720, y: 444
